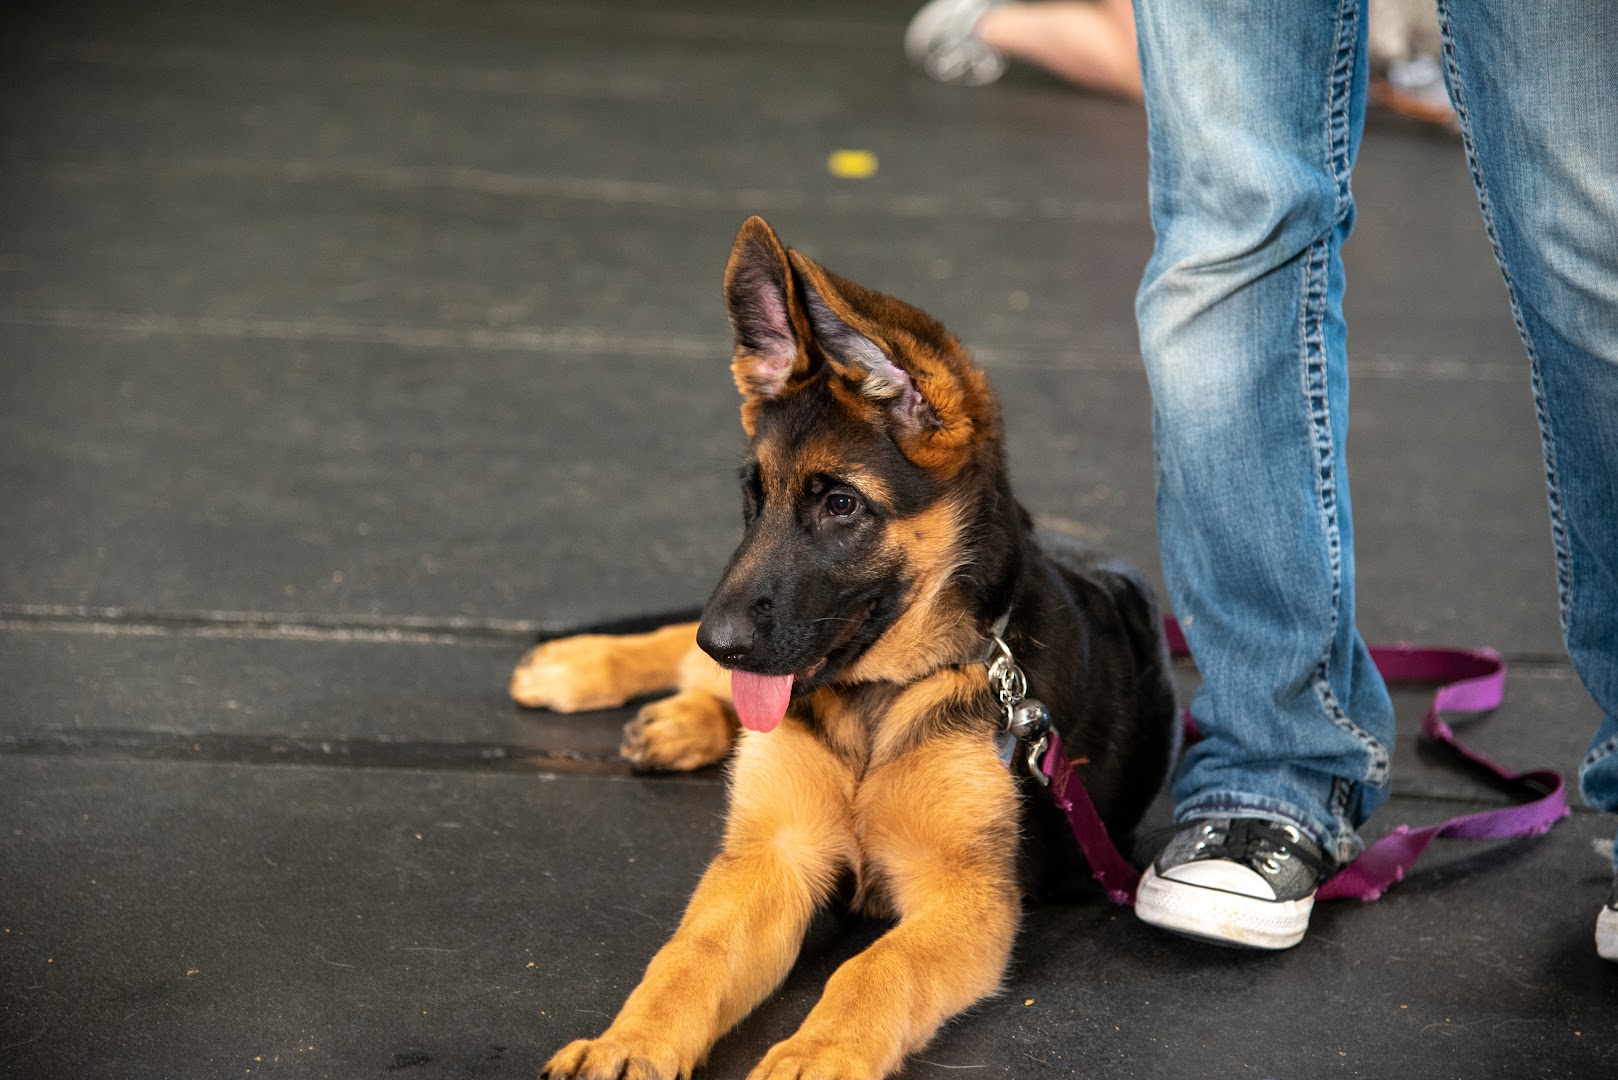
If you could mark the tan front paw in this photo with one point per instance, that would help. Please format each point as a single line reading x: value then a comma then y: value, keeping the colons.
x: 679, y: 733
x: 571, y: 675
x: 614, y: 1058
x: 802, y: 1058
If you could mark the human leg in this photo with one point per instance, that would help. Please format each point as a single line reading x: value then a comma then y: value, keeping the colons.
x: 1534, y: 85
x: 1255, y: 113
x: 1090, y: 43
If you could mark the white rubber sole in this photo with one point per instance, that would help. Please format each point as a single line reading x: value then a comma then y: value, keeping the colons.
x: 1219, y: 917
x: 1607, y: 934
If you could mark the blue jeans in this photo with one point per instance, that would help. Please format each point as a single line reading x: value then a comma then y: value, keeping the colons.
x: 1255, y: 112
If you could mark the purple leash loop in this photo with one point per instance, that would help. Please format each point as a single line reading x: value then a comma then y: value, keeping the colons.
x: 1471, y: 681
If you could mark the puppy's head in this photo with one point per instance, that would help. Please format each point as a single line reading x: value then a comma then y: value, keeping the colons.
x: 870, y: 430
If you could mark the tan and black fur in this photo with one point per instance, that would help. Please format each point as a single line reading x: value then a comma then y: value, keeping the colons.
x: 882, y: 542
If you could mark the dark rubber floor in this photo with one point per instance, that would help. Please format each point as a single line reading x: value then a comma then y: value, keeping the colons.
x: 346, y: 346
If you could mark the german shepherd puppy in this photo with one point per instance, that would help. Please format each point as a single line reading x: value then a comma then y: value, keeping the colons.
x: 882, y: 546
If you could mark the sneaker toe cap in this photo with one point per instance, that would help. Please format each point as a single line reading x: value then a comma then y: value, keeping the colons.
x: 1223, y: 875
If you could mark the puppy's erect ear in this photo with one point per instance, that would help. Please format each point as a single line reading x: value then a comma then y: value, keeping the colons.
x: 766, y: 314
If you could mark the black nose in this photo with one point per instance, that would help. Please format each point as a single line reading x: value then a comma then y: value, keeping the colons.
x: 726, y: 635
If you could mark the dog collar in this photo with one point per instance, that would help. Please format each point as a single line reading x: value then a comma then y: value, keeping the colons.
x: 996, y: 643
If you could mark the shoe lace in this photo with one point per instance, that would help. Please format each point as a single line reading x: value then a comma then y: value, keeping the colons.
x: 1261, y: 845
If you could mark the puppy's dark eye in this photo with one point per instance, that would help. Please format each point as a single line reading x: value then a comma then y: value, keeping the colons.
x: 839, y: 504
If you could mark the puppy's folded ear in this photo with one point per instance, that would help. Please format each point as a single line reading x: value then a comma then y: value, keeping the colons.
x: 861, y: 361
x: 766, y: 315
x: 901, y: 364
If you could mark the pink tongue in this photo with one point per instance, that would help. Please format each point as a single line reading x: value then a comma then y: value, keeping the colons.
x: 761, y: 700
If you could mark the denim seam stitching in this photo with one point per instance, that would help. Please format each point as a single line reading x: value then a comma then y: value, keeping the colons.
x: 1337, y: 119
x: 1317, y: 270
x: 1381, y: 763
x: 1341, y: 789
x: 1348, y: 839
x: 1314, y: 387
x: 1559, y: 533
x: 1599, y: 753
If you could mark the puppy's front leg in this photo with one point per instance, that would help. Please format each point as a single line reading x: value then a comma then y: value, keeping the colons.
x: 788, y: 836
x: 940, y: 825
x: 695, y: 727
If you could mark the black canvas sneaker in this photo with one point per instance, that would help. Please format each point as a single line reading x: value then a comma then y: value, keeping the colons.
x: 1234, y: 881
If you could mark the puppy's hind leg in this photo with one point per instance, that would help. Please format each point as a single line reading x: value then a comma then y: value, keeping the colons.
x: 601, y: 671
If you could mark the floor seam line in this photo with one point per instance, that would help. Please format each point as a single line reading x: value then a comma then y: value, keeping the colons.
x: 590, y: 341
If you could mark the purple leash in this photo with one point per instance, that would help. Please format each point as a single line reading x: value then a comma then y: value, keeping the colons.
x: 1472, y: 681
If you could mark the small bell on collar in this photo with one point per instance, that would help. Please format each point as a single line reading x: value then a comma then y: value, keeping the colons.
x: 1030, y: 719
